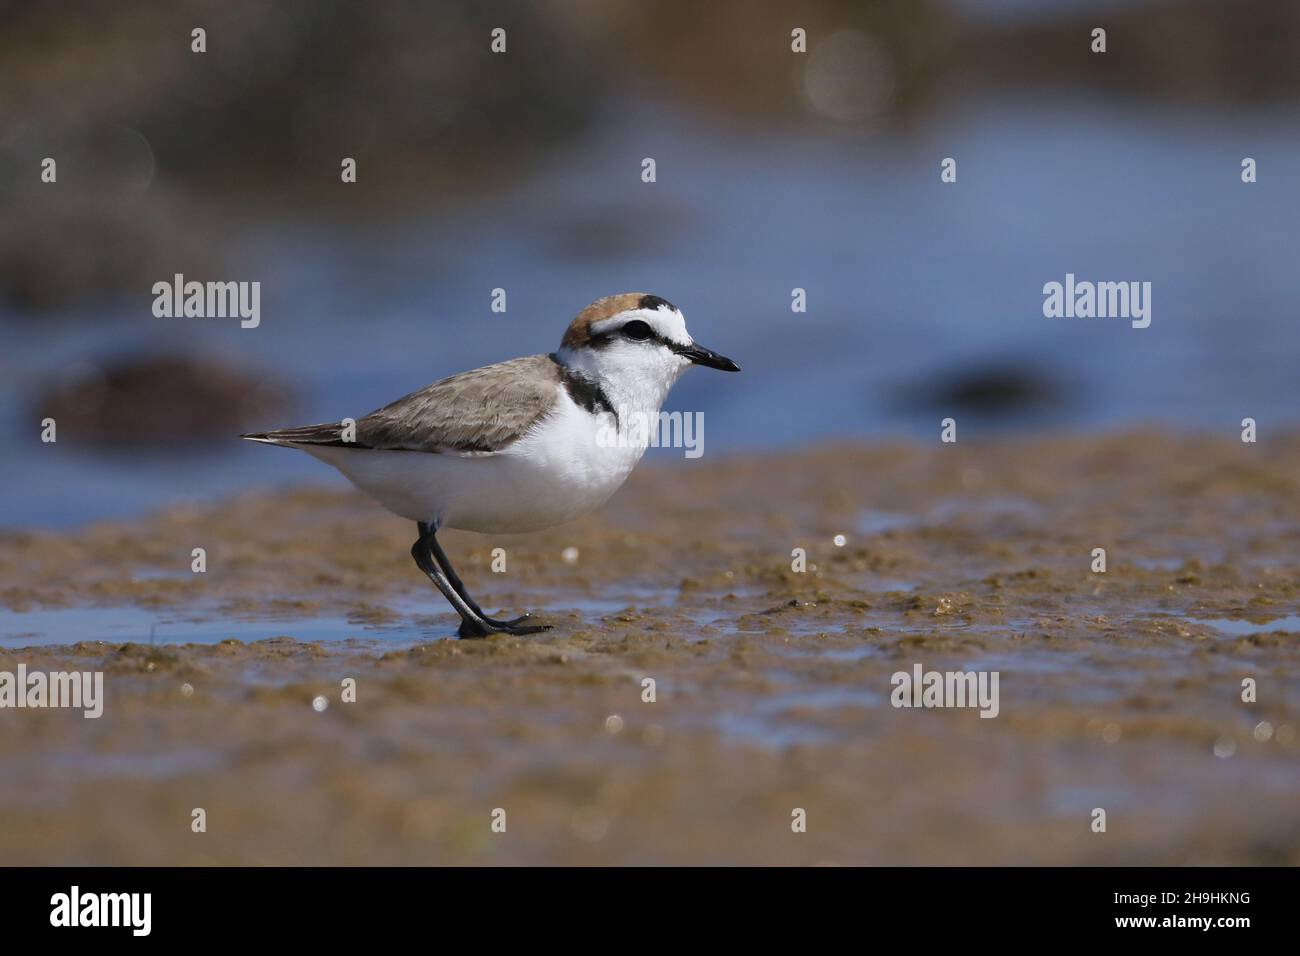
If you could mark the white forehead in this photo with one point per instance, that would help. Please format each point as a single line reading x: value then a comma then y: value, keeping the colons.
x: 667, y: 322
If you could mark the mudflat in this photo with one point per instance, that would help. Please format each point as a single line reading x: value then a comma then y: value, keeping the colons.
x: 720, y: 674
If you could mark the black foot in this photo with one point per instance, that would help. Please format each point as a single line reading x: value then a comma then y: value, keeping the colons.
x: 472, y: 629
x: 513, y: 622
x: 519, y: 629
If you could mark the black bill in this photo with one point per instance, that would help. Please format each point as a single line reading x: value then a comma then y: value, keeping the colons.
x: 702, y: 356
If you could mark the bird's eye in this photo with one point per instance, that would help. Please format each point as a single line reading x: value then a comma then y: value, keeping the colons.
x: 637, y: 331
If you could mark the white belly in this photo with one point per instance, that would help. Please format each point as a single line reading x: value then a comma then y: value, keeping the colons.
x: 557, y: 472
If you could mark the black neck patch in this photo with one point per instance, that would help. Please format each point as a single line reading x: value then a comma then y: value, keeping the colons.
x: 586, y: 394
x: 653, y: 302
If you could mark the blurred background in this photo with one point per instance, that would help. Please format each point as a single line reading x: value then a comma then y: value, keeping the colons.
x: 775, y: 170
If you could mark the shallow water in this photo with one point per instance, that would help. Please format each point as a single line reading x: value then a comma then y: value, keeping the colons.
x: 771, y: 686
x: 115, y: 625
x: 1234, y: 627
x: 405, y: 622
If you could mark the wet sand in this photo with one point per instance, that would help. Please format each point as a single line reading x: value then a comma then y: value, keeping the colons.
x: 1118, y: 690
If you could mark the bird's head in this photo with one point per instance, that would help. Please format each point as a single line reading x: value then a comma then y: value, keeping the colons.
x: 634, y: 339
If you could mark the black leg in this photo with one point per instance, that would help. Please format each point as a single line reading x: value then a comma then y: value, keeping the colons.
x: 432, y: 560
x: 471, y: 624
x: 444, y: 562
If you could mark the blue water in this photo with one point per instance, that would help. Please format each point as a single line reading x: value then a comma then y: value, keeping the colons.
x: 118, y: 625
x: 413, y: 620
x: 909, y: 282
x: 1235, y: 627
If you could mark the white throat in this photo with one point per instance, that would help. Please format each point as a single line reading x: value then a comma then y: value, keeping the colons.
x: 632, y: 378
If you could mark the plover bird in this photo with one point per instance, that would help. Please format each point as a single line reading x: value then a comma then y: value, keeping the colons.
x: 515, y: 446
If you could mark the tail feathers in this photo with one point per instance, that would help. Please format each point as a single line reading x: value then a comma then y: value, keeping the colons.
x: 328, y: 434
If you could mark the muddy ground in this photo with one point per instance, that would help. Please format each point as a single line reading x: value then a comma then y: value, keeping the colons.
x: 1118, y: 690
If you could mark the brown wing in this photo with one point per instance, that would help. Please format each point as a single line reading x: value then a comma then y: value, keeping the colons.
x: 484, y: 410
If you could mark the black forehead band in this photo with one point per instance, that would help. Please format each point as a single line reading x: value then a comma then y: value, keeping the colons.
x: 654, y: 302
